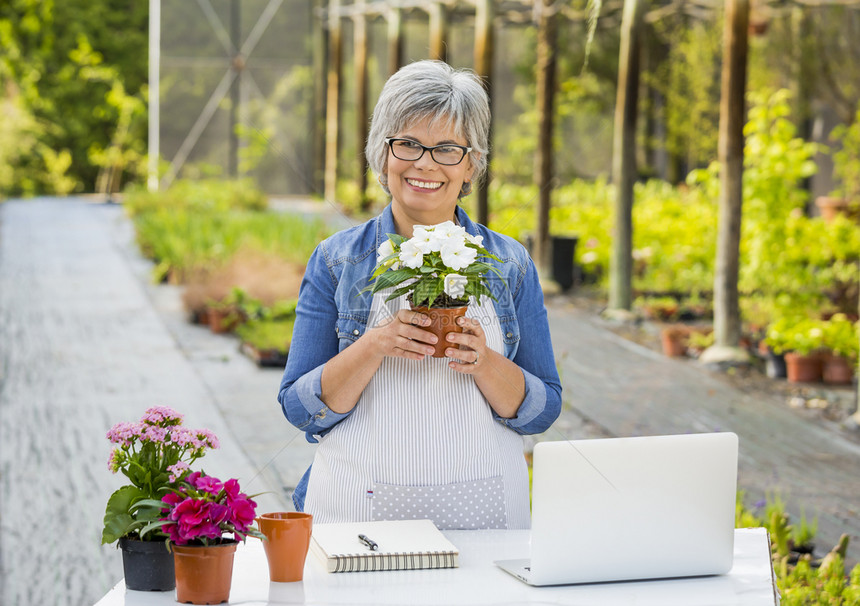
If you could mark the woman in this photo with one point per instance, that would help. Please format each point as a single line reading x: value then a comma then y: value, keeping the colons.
x: 402, y: 434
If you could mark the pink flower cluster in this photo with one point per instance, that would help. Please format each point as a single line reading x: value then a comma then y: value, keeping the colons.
x: 160, y: 427
x: 205, y: 508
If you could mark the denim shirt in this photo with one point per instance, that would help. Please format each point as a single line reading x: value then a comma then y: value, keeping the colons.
x: 333, y: 310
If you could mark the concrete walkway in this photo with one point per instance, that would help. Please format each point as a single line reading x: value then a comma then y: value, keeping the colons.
x: 86, y: 341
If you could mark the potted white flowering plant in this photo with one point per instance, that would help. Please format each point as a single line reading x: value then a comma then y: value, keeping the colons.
x: 440, y: 269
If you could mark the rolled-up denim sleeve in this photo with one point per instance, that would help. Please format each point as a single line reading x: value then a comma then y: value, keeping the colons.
x: 313, y: 344
x: 542, y: 402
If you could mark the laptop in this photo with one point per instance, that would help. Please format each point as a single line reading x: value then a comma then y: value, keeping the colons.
x: 625, y: 509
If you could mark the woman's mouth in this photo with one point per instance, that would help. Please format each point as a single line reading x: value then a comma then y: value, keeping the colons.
x: 428, y: 185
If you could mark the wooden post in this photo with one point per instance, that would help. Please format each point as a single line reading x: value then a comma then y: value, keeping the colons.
x: 319, y: 41
x: 332, y: 99
x: 727, y: 320
x: 484, y: 68
x: 235, y: 93
x: 360, y: 67
x: 546, y: 76
x: 438, y: 13
x: 624, y: 158
x: 395, y: 39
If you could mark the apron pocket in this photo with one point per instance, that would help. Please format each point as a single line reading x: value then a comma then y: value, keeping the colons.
x: 460, y: 506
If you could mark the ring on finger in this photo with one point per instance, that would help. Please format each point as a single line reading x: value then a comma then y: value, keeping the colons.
x: 476, y: 358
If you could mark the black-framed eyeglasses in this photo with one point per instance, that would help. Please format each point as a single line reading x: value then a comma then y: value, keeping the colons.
x: 409, y: 150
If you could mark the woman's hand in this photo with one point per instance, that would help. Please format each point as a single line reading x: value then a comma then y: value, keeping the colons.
x: 472, y: 343
x: 402, y: 336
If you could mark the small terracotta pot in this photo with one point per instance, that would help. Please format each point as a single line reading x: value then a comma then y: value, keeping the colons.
x: 803, y: 369
x: 288, y: 535
x: 204, y: 574
x: 442, y: 321
x: 674, y: 340
x: 838, y: 370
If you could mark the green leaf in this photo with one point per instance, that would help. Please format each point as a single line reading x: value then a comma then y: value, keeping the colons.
x: 118, y: 520
x: 153, y: 526
x: 399, y: 292
x: 392, y: 278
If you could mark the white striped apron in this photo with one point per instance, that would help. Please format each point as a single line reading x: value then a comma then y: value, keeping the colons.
x: 422, y: 443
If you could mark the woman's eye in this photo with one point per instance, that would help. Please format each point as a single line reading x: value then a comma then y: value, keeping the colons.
x: 408, y: 144
x: 448, y: 149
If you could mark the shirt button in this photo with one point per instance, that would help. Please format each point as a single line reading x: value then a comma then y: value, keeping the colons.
x: 509, y: 335
x: 356, y: 332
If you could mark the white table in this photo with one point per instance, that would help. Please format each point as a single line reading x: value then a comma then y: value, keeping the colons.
x: 479, y: 581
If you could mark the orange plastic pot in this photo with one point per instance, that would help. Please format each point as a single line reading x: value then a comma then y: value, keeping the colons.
x: 204, y: 574
x: 288, y: 535
x: 442, y: 321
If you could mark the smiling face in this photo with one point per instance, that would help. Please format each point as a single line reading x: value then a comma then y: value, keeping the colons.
x: 424, y: 192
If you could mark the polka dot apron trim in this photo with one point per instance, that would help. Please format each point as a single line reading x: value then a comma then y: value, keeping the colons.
x: 459, y: 506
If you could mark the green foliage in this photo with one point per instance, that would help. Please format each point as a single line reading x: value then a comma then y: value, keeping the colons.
x: 842, y: 336
x: 268, y: 334
x: 199, y: 196
x: 28, y: 165
x: 689, y: 80
x: 48, y: 47
x: 181, y: 241
x: 795, y: 333
x: 803, y: 583
x: 198, y: 225
x: 846, y: 160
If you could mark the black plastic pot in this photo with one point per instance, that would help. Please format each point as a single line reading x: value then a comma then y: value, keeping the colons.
x: 148, y: 565
x: 774, y: 365
x: 563, y: 253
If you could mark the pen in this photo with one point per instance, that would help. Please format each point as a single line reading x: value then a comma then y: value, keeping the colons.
x: 371, y: 545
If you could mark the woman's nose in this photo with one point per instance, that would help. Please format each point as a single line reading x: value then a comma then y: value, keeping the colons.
x: 426, y: 161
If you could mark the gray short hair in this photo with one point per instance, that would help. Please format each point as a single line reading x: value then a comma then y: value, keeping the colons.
x: 434, y: 90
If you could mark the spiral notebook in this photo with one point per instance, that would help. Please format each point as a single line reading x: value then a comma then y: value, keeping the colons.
x: 401, y: 545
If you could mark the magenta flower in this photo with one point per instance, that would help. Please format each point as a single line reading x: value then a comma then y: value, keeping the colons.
x: 209, y: 484
x: 205, y: 509
x: 243, y: 513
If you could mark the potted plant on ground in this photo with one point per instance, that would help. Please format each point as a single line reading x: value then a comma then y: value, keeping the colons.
x: 204, y: 518
x: 842, y: 339
x: 441, y: 269
x: 674, y: 339
x: 802, y: 341
x: 154, y: 454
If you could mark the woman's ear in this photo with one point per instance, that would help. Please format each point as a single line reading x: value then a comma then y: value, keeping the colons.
x: 473, y: 163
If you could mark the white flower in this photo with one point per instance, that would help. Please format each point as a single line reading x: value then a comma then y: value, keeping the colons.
x: 478, y: 240
x: 424, y: 239
x: 385, y: 250
x: 410, y: 255
x: 589, y: 257
x: 448, y: 230
x: 456, y: 255
x: 455, y: 285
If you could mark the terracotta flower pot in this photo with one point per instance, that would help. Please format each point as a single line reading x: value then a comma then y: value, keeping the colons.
x: 288, y: 536
x: 803, y: 369
x: 674, y: 340
x: 838, y: 370
x: 442, y: 321
x: 204, y: 574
